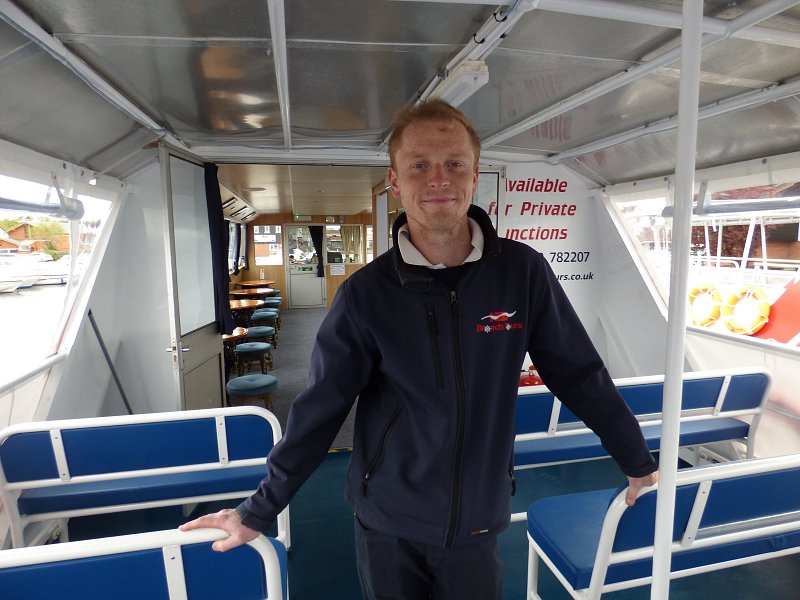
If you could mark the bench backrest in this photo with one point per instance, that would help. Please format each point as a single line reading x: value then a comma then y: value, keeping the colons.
x: 729, y: 392
x: 83, y: 447
x: 729, y: 498
x: 162, y: 565
x: 734, y: 511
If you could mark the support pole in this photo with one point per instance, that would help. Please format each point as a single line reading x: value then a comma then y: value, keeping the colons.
x: 688, y: 100
x: 110, y: 363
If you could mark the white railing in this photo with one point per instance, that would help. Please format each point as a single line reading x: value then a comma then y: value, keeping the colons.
x: 19, y: 398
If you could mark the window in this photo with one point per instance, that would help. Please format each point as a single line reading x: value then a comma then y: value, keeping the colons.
x: 370, y: 247
x: 243, y: 246
x: 268, y: 244
x: 43, y: 261
x: 744, y: 273
x: 237, y: 242
x: 233, y: 232
x: 343, y: 244
x: 487, y: 194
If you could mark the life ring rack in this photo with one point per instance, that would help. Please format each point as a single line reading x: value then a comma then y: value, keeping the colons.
x: 762, y: 314
x: 713, y: 312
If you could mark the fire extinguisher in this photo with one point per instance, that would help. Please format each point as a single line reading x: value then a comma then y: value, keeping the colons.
x: 530, y: 377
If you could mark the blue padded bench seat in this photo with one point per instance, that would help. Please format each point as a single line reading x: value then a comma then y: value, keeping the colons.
x: 58, y: 470
x: 158, y: 565
x: 715, y: 407
x: 725, y: 514
x: 139, y: 489
x: 584, y: 446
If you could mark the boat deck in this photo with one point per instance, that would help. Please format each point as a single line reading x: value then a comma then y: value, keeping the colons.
x: 322, y: 561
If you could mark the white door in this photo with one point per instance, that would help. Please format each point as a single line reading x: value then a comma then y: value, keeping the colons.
x: 306, y: 290
x: 196, y: 345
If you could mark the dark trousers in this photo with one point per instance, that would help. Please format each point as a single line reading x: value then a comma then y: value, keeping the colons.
x: 391, y: 568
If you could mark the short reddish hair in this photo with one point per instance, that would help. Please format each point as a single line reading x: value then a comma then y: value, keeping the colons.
x: 433, y: 109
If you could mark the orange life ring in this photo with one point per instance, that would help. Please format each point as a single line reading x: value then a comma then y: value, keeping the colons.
x: 762, y: 310
x: 712, y: 312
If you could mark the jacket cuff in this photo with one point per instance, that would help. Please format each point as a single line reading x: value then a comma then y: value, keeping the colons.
x: 645, y: 469
x: 252, y: 521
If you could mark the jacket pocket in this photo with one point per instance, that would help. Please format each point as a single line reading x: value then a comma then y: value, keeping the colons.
x: 433, y: 334
x: 374, y: 463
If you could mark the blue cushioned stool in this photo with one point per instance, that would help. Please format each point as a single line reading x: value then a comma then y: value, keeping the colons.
x: 252, y: 351
x: 273, y: 302
x: 252, y: 386
x: 274, y: 293
x: 265, y: 334
x: 268, y: 318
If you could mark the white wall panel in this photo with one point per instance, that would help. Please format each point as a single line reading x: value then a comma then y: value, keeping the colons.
x: 550, y: 209
x: 779, y: 430
x: 636, y: 329
x: 129, y: 303
x: 145, y: 366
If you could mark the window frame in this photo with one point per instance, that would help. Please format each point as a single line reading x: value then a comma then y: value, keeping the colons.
x: 23, y: 163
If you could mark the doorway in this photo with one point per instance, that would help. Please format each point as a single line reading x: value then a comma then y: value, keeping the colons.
x: 306, y: 290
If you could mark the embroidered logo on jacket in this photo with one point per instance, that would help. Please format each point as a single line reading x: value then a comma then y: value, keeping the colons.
x: 497, y: 321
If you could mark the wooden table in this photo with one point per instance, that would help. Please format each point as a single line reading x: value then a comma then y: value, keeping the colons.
x: 237, y: 305
x: 251, y: 292
x: 243, y: 309
x: 237, y: 335
x: 254, y: 283
x: 229, y: 341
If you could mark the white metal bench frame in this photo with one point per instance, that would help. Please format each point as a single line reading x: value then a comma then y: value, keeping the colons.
x: 555, y: 430
x: 704, y: 476
x: 10, y: 492
x: 169, y: 541
x: 572, y: 429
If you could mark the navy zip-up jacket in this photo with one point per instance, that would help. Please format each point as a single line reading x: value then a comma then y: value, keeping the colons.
x: 436, y: 373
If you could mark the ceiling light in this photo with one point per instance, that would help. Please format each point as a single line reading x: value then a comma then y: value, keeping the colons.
x: 463, y: 80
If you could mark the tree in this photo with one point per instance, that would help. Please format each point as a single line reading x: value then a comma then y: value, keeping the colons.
x: 733, y: 240
x: 46, y: 229
x: 8, y: 224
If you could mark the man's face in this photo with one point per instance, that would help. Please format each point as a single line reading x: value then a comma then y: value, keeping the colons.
x: 434, y: 174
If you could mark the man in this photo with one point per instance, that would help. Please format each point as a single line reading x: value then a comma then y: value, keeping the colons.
x: 431, y: 472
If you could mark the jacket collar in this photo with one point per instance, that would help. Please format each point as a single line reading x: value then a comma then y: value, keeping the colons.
x: 419, y: 278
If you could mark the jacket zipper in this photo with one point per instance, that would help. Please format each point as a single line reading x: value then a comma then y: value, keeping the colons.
x: 455, y: 500
x: 433, y: 333
x: 379, y: 453
x: 511, y: 472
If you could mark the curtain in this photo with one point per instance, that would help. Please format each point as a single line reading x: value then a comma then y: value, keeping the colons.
x: 351, y: 242
x: 316, y: 238
x: 218, y: 230
x: 235, y: 246
x: 356, y: 243
x: 243, y: 242
x: 347, y: 242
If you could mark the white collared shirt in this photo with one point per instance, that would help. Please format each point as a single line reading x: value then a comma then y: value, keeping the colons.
x: 412, y: 256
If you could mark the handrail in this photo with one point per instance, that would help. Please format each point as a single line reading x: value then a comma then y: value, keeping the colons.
x: 49, y: 362
x: 781, y: 264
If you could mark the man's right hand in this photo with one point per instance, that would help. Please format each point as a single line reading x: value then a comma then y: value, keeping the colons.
x: 228, y: 520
